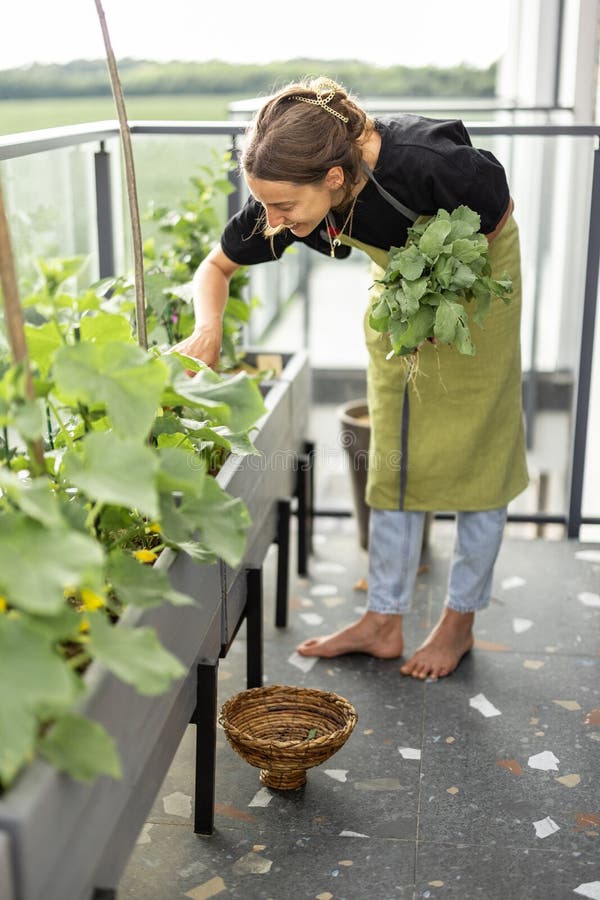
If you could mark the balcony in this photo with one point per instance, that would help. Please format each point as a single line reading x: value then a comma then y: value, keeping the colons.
x: 437, y: 790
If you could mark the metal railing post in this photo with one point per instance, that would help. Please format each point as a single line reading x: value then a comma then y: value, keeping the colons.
x: 234, y: 199
x: 104, y: 213
x: 588, y: 321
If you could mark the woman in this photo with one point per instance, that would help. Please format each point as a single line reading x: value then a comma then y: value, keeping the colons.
x: 322, y: 172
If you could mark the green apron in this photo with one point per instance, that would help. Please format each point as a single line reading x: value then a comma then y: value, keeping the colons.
x: 452, y: 438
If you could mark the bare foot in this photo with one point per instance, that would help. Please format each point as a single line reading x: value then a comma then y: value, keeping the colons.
x: 377, y: 634
x: 444, y: 648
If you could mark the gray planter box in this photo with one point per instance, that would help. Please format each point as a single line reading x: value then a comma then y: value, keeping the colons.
x: 60, y: 839
x: 263, y: 481
x: 60, y: 829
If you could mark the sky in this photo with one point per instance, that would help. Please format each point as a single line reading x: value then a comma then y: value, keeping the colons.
x: 428, y: 32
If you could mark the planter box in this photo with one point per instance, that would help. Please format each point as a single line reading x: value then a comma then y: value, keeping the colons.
x: 60, y: 829
x: 60, y: 839
x: 263, y: 481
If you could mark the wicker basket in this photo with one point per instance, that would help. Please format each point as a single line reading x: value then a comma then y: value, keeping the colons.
x: 284, y: 731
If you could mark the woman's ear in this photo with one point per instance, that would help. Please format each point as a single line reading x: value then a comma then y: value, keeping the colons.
x: 334, y: 179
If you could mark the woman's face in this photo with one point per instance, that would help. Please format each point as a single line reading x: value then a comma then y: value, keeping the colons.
x: 299, y: 207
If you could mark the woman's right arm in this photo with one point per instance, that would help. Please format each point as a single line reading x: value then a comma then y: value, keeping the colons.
x: 211, y: 292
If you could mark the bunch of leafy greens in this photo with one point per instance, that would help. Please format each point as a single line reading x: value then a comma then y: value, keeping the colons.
x: 427, y: 282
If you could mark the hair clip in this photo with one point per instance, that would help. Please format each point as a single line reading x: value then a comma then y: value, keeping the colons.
x: 323, y: 99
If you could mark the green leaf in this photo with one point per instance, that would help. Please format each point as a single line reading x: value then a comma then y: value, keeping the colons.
x: 88, y: 300
x: 80, y: 747
x: 180, y: 470
x: 197, y: 552
x: 433, y: 238
x: 141, y: 585
x: 467, y: 251
x: 380, y: 309
x: 462, y: 339
x: 18, y: 728
x: 103, y: 328
x: 407, y: 305
x: 235, y: 400
x: 379, y: 324
x: 239, y: 443
x: 443, y: 270
x: 398, y: 328
x: 28, y: 419
x: 176, y: 439
x: 482, y: 304
x: 446, y: 319
x: 59, y: 627
x: 462, y: 277
x: 42, y: 343
x: 156, y: 285
x: 123, y: 377
x: 176, y: 529
x: 420, y: 327
x: 135, y: 655
x: 414, y: 290
x: 57, y: 270
x: 223, y: 522
x: 500, y: 287
x: 58, y: 558
x: 408, y: 261
x: 32, y: 675
x: 464, y: 222
x: 432, y: 298
x: 33, y: 496
x: 115, y: 470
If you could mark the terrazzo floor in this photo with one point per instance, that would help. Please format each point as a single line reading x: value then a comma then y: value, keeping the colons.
x: 482, y: 785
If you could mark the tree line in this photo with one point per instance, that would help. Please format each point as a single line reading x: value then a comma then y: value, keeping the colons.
x: 87, y: 78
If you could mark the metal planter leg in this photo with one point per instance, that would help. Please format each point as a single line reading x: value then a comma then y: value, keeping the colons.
x: 283, y: 562
x: 205, y: 718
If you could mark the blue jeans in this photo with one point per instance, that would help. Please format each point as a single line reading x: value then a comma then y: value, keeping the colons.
x: 395, y: 540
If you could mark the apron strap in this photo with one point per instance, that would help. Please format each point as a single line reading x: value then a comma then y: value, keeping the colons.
x: 400, y: 207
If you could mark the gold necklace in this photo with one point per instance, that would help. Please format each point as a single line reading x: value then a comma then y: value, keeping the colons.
x: 333, y: 232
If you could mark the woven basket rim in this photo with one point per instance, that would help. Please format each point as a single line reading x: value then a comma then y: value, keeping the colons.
x: 340, y: 702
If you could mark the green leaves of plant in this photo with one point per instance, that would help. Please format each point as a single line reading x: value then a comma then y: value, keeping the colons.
x: 428, y: 283
x: 121, y: 377
x: 222, y: 521
x: 235, y: 401
x: 32, y: 677
x: 37, y: 563
x: 209, y: 524
x: 114, y: 470
x: 34, y: 497
x: 141, y: 585
x: 103, y: 328
x: 135, y: 655
x: 80, y: 747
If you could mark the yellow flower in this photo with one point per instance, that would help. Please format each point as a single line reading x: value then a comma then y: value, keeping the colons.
x: 3, y: 604
x: 84, y: 625
x: 145, y: 556
x: 154, y: 528
x: 91, y: 600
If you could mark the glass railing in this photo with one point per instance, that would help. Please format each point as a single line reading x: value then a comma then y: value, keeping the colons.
x: 65, y: 196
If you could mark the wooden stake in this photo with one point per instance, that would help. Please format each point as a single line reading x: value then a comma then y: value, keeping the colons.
x: 136, y: 231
